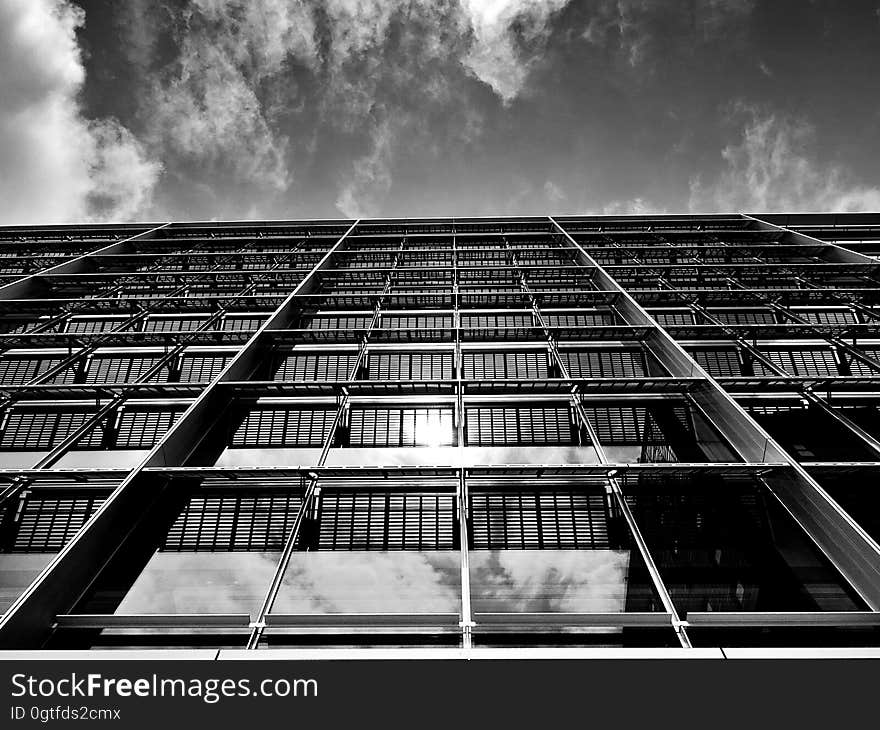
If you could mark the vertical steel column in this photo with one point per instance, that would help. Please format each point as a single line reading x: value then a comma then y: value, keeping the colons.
x: 842, y: 540
x: 577, y: 402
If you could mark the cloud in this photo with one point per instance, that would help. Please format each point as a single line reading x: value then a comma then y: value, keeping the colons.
x: 58, y: 166
x: 640, y: 33
x: 632, y: 206
x: 213, y: 105
x: 508, y: 37
x: 248, y: 90
x: 363, y: 191
x: 773, y: 166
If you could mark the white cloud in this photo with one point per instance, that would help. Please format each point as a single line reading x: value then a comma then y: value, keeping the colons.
x: 211, y: 106
x: 496, y: 57
x: 362, y: 192
x: 773, y: 166
x: 56, y: 166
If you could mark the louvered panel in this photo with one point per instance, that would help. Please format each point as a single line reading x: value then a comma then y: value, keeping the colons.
x: 282, y: 427
x: 744, y: 317
x: 631, y: 424
x: 19, y: 370
x: 398, y: 321
x: 410, y: 366
x: 238, y: 324
x: 528, y: 426
x: 718, y: 363
x: 233, y: 522
x: 173, y: 324
x: 666, y: 319
x: 26, y: 430
x: 202, y: 368
x: 87, y: 326
x: 815, y: 363
x: 583, y: 319
x: 605, y: 363
x: 489, y: 365
x: 143, y: 429
x: 346, y: 323
x: 316, y: 367
x: 831, y: 316
x: 539, y: 521
x: 47, y: 524
x: 401, y: 427
x: 386, y: 521
x: 496, y: 320
x: 66, y: 376
x: 864, y: 370
x: 119, y: 369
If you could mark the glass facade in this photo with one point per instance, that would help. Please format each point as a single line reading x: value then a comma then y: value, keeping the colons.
x: 490, y: 432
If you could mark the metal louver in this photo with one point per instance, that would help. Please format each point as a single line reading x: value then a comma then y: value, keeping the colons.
x: 559, y: 520
x: 359, y: 520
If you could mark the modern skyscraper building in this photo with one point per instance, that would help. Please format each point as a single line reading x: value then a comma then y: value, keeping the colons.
x: 516, y: 432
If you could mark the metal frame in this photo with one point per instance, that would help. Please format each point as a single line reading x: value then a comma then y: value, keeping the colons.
x: 515, y: 273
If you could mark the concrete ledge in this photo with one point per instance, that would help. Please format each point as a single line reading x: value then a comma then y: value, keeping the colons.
x: 836, y: 652
x: 109, y: 654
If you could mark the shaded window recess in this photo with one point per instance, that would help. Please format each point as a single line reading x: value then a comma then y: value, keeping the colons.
x: 283, y: 427
x: 662, y: 432
x: 810, y: 434
x: 558, y: 520
x: 370, y: 520
x: 722, y: 547
x: 410, y: 366
x: 491, y: 426
x: 490, y: 365
x: 316, y: 366
x: 227, y: 522
x: 392, y: 427
x: 45, y: 523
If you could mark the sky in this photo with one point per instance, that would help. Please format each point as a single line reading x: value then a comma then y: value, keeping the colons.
x: 163, y: 110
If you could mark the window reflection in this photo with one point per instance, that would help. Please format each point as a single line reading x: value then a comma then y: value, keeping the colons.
x: 371, y: 582
x: 17, y: 572
x: 730, y: 546
x: 375, y: 552
x: 554, y: 551
x: 205, y: 551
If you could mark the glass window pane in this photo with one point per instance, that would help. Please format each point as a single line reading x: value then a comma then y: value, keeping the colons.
x: 724, y: 545
x: 376, y: 552
x: 561, y: 551
x: 212, y: 551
